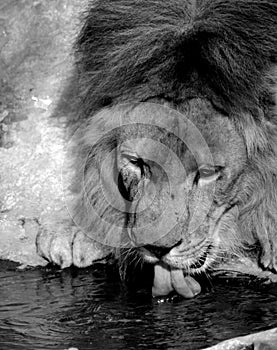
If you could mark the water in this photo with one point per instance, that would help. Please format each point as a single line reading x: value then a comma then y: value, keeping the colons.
x: 89, y: 309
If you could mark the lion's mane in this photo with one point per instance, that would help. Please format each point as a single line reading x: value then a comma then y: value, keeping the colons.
x: 221, y: 50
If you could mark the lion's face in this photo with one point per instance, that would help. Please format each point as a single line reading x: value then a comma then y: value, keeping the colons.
x: 184, y: 194
x: 169, y: 183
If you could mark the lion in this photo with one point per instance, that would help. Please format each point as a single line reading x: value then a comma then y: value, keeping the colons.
x: 175, y: 154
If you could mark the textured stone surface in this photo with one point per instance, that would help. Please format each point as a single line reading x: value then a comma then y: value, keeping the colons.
x: 35, y: 46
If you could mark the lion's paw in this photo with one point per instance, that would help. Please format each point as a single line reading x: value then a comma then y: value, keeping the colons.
x: 268, y: 260
x: 85, y: 251
x: 66, y: 246
x: 268, y: 257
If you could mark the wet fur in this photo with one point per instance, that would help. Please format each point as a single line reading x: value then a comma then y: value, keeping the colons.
x: 224, y: 51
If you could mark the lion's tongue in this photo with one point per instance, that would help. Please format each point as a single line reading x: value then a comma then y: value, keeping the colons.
x: 182, y: 284
x: 162, y: 281
x: 166, y: 280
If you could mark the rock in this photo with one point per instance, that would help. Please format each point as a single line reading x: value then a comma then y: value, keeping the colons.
x: 266, y: 340
x: 34, y: 63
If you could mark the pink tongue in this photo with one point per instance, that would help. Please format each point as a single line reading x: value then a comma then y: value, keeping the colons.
x: 166, y: 280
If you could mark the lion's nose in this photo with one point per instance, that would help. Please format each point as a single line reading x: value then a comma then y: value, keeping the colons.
x: 159, y: 252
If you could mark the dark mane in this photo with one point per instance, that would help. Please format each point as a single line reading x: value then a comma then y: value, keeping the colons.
x: 222, y: 50
x: 132, y: 50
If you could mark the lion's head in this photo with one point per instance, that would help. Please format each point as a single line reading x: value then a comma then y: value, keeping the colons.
x: 181, y: 186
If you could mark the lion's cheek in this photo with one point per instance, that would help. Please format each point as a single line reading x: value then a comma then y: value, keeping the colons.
x: 158, y: 219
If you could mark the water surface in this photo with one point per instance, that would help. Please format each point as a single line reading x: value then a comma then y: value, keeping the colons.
x: 90, y: 309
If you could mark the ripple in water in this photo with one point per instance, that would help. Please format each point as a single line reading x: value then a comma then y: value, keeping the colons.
x: 89, y: 309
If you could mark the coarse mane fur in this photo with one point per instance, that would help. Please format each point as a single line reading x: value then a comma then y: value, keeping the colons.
x: 176, y: 49
x: 221, y: 50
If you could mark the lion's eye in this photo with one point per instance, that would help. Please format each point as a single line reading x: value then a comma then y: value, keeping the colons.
x: 204, y: 173
x: 209, y: 173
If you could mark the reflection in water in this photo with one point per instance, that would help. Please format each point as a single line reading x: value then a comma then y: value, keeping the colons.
x: 89, y: 309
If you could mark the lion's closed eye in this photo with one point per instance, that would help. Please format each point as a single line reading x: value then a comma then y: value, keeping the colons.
x: 208, y: 173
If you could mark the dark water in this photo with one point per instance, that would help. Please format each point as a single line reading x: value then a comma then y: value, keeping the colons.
x: 89, y: 309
